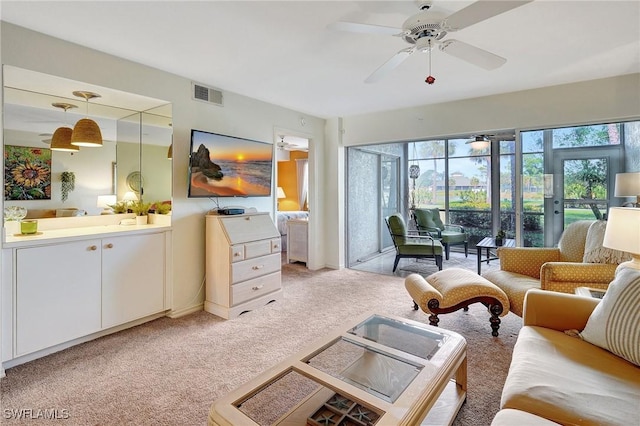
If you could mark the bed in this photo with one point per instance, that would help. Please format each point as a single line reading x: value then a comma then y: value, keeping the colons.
x: 281, y: 222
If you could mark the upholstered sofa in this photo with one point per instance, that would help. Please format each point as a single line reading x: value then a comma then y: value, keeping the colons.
x: 559, y: 375
x: 578, y: 261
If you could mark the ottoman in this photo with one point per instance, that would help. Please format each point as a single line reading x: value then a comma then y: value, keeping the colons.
x: 452, y: 289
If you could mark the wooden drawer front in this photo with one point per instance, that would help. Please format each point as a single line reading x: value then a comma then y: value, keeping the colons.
x: 276, y: 245
x: 257, y: 249
x: 237, y: 253
x: 255, y: 288
x: 243, y: 229
x: 252, y: 268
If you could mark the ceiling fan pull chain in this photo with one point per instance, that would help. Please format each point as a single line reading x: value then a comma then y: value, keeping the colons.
x: 430, y: 79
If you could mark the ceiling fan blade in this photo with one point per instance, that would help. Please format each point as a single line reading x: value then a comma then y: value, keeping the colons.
x: 473, y: 55
x: 479, y: 11
x: 388, y: 66
x: 355, y: 27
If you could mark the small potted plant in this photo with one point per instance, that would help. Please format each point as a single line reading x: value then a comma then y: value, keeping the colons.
x: 141, y: 210
x: 500, y: 237
x: 119, y: 207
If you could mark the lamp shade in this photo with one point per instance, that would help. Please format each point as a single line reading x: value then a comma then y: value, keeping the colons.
x: 130, y: 196
x: 628, y: 185
x: 61, y: 140
x: 623, y: 232
x: 170, y: 152
x: 106, y: 200
x: 280, y: 193
x: 86, y: 133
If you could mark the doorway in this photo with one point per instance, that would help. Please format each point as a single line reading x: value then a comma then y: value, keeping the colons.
x: 373, y: 194
x: 583, y: 185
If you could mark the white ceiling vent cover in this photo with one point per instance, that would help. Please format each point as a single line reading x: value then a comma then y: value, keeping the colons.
x: 203, y: 93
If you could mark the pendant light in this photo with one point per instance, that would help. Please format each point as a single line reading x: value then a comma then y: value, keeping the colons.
x: 61, y: 140
x: 86, y: 132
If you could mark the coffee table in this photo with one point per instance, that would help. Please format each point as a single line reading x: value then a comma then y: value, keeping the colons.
x: 377, y: 370
x: 489, y: 244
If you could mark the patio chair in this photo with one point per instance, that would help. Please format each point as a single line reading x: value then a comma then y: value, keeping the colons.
x: 428, y: 222
x: 409, y: 245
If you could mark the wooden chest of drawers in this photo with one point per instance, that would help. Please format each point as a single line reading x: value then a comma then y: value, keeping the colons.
x: 243, y: 263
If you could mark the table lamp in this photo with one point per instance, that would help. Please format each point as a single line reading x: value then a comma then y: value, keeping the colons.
x: 628, y: 185
x: 106, y: 201
x: 623, y: 233
x: 280, y: 194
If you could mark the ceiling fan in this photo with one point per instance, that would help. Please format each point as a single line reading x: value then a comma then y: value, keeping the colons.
x: 426, y: 29
x: 290, y: 146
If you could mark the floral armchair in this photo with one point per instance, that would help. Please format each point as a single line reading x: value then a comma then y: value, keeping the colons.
x: 579, y: 260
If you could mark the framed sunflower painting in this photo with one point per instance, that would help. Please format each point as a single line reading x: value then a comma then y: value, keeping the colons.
x: 27, y: 173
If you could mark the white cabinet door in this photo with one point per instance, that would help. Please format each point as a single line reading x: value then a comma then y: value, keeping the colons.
x: 57, y: 294
x: 133, y: 278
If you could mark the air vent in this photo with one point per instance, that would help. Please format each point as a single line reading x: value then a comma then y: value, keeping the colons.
x: 207, y: 94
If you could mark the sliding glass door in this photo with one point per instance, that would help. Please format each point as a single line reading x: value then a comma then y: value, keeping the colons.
x: 373, y: 193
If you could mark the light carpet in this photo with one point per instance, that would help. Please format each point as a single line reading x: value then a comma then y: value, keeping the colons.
x: 169, y: 371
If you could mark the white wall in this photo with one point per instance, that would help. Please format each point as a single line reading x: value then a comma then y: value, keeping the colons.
x: 240, y: 116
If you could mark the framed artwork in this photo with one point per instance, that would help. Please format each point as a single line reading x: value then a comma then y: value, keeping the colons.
x: 27, y: 173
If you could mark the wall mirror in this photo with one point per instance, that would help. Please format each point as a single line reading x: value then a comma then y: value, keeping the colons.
x: 133, y: 161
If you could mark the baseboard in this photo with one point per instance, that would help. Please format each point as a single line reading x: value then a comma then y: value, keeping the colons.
x: 186, y: 311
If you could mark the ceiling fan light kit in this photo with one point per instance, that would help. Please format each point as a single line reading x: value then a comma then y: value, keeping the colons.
x: 479, y: 143
x: 86, y: 132
x: 426, y: 28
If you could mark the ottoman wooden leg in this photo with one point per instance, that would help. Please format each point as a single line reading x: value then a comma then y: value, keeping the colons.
x: 434, y: 307
x: 496, y: 310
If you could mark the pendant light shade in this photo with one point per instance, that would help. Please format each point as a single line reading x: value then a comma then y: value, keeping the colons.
x: 61, y: 140
x: 170, y: 152
x: 86, y: 132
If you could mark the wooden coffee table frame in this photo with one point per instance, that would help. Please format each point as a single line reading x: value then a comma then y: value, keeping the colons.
x: 440, y: 384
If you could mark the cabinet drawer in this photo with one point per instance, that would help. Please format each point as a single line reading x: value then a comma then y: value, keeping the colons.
x: 255, y: 288
x: 276, y: 245
x: 252, y: 268
x: 257, y: 249
x: 237, y: 253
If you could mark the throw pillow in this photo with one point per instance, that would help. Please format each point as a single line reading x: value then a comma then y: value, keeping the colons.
x: 614, y: 324
x: 593, y: 250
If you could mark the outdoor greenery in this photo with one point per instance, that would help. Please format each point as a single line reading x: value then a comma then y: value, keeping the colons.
x: 468, y: 182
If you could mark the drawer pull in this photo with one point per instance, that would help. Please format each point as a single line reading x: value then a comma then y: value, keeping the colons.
x: 257, y: 287
x: 276, y: 246
x: 255, y: 268
x: 109, y: 245
x: 236, y: 254
x: 93, y: 248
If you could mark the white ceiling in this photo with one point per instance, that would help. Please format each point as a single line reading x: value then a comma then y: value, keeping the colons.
x: 282, y: 52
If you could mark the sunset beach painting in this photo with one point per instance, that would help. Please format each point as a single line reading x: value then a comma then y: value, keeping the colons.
x: 226, y: 166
